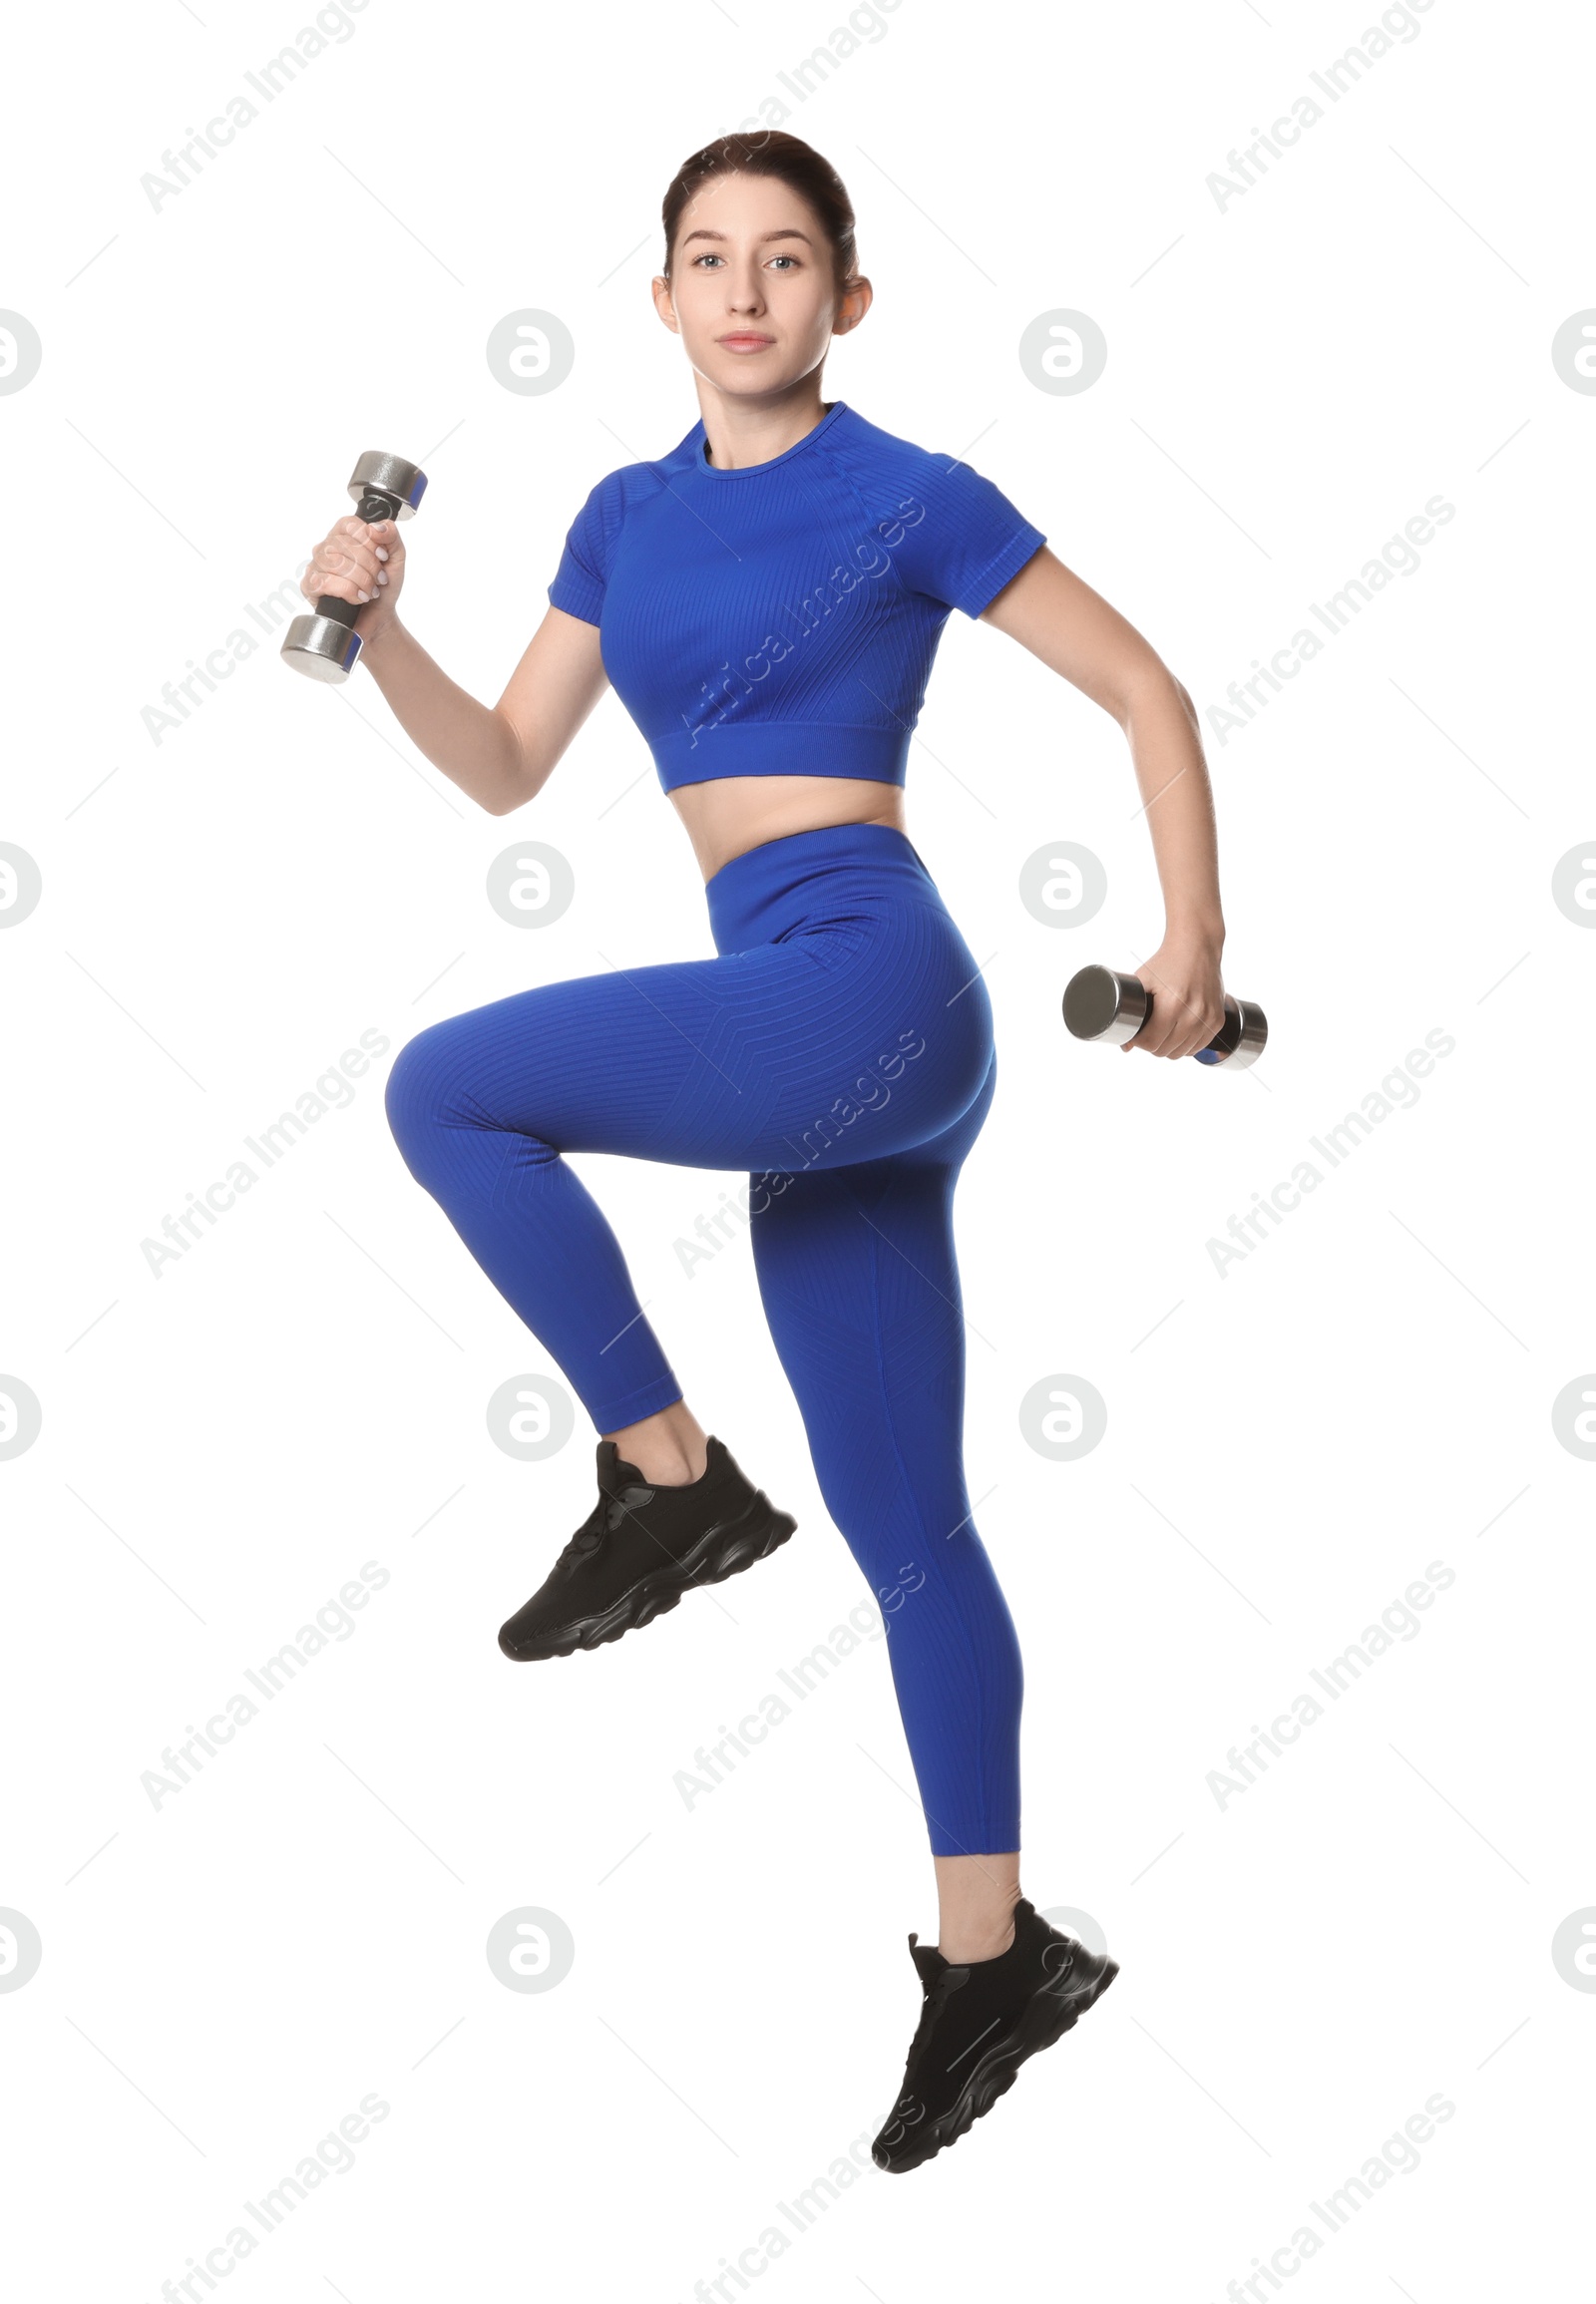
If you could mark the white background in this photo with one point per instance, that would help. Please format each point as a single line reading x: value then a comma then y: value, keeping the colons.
x: 1288, y: 1446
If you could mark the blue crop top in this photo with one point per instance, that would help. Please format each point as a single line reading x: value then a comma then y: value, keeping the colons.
x: 781, y: 618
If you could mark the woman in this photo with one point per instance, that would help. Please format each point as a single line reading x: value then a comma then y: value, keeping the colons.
x: 767, y: 601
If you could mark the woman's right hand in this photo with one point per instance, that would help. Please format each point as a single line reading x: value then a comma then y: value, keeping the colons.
x: 363, y: 562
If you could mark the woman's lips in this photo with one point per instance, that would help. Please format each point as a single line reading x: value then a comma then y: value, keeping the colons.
x: 747, y: 343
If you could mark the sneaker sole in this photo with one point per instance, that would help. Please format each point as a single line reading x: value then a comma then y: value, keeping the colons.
x: 724, y: 1550
x: 1045, y: 2017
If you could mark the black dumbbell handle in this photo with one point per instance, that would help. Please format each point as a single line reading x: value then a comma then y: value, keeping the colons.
x: 374, y: 505
x: 1103, y: 998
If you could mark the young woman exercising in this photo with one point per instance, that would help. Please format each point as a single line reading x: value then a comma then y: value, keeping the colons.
x: 767, y: 599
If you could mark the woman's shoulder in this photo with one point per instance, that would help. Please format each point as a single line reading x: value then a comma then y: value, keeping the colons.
x: 598, y: 529
x: 890, y: 452
x: 628, y: 484
x: 889, y: 459
x: 953, y: 534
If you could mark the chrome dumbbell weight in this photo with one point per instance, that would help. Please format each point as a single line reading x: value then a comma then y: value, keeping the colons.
x: 1104, y: 1004
x: 324, y: 646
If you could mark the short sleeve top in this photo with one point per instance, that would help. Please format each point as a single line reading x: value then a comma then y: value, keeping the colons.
x: 781, y: 618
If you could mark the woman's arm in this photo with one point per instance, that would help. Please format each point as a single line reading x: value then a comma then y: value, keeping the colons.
x: 504, y: 754
x: 501, y: 754
x: 1074, y: 630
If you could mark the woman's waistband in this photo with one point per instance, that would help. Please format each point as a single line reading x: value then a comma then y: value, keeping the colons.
x: 767, y: 888
x: 782, y: 748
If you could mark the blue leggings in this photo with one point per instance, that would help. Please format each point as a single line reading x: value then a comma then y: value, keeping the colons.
x: 840, y: 1049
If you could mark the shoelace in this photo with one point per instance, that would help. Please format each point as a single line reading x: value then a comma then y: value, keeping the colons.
x: 605, y: 1518
x: 937, y: 1994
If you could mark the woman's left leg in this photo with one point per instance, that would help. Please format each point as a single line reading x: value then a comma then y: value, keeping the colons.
x: 860, y: 1284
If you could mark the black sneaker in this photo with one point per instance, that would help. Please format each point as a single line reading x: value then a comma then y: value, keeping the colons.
x: 640, y: 1548
x: 978, y: 2024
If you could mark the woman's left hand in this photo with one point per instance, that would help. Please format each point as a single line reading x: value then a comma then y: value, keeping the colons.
x: 1187, y: 995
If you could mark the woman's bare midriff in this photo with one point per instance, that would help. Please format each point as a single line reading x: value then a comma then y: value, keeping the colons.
x: 729, y: 814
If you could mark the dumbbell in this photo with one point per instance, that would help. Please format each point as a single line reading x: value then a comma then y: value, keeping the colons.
x: 1104, y: 1004
x: 324, y: 646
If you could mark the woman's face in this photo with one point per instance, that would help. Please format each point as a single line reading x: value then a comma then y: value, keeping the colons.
x: 752, y: 295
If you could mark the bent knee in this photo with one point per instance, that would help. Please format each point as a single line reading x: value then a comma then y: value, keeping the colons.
x: 430, y: 1086
x: 444, y: 1095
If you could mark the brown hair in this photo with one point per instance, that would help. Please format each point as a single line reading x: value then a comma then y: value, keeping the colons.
x: 771, y: 151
